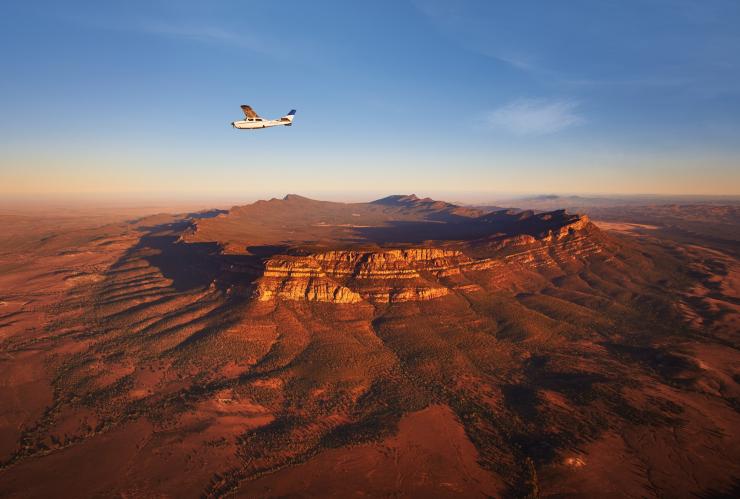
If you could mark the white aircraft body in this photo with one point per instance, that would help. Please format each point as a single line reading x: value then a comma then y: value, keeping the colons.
x: 253, y: 121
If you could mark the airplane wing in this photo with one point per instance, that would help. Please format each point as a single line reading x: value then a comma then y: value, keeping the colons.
x: 249, y: 112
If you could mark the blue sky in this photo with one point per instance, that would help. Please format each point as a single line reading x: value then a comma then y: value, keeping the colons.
x: 464, y: 99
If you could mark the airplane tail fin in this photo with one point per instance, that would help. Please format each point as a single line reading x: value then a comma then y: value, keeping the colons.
x: 289, y: 117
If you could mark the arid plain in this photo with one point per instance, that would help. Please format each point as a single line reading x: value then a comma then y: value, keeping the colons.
x: 404, y: 347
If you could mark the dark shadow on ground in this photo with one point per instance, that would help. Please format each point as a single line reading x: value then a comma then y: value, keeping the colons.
x: 207, y: 214
x: 188, y: 265
x: 504, y: 223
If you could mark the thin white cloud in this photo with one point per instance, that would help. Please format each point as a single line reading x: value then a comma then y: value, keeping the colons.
x: 267, y: 44
x: 536, y: 116
x: 210, y: 34
x: 447, y: 17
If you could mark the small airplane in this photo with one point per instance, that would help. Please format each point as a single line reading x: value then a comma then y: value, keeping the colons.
x: 253, y: 121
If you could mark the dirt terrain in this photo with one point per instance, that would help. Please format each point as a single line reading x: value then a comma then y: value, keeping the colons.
x: 405, y: 347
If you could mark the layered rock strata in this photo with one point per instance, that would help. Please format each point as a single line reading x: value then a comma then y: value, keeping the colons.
x: 413, y: 274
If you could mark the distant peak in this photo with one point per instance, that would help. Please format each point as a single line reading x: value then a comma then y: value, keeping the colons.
x: 295, y: 197
x: 400, y: 199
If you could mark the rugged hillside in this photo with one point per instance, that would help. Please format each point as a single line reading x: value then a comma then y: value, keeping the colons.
x: 404, y: 346
x: 420, y: 249
x: 424, y: 273
x: 299, y: 220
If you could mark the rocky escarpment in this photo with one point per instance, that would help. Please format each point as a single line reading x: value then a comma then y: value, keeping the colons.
x: 399, y: 248
x: 351, y: 276
x: 301, y: 278
x: 391, y: 275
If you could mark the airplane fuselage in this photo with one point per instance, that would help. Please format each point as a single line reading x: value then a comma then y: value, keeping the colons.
x: 259, y: 123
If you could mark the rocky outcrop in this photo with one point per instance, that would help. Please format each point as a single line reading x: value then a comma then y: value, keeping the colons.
x: 397, y: 249
x: 300, y: 278
x: 577, y: 225
x: 389, y: 264
x: 415, y: 274
x: 296, y: 289
x: 347, y: 277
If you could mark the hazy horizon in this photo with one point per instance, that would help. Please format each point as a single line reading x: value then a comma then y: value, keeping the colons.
x: 145, y: 204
